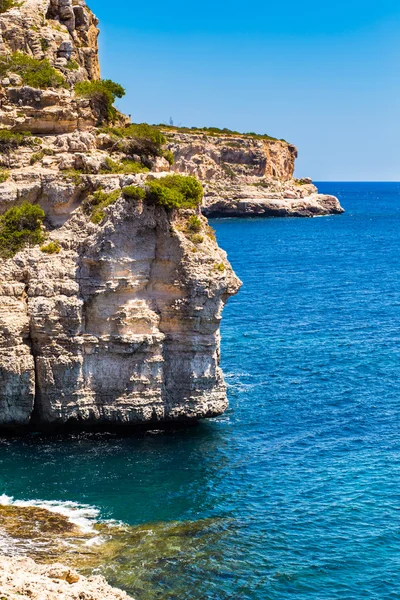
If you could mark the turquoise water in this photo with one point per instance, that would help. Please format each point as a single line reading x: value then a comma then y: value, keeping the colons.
x: 298, y: 485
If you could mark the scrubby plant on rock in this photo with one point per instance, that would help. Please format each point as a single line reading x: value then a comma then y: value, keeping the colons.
x: 51, y: 248
x: 102, y: 94
x: 128, y: 167
x: 133, y: 192
x: 137, y: 138
x: 175, y: 191
x: 20, y: 226
x: 10, y: 140
x: 95, y: 204
x: 7, y: 4
x: 194, y: 224
x: 35, y: 73
x: 4, y: 175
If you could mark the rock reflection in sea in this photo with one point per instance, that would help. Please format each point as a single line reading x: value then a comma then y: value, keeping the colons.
x: 148, y: 561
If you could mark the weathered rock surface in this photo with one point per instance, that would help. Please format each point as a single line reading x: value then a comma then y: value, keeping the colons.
x: 120, y: 327
x: 23, y: 578
x: 246, y: 175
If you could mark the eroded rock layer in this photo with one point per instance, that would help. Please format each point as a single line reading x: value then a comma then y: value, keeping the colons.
x: 245, y: 175
x: 121, y: 326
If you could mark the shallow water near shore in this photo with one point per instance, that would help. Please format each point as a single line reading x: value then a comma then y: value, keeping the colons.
x: 294, y: 491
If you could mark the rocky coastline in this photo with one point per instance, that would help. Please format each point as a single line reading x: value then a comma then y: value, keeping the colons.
x: 21, y: 577
x: 110, y: 309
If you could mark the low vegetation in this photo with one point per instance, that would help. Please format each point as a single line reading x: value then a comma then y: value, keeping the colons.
x: 194, y: 224
x: 51, y: 248
x: 216, y: 131
x: 139, y: 138
x: 74, y: 174
x: 7, y: 4
x: 169, y: 156
x: 196, y: 238
x: 102, y: 95
x: 4, y: 175
x: 10, y: 140
x: 129, y: 167
x: 37, y: 156
x: 33, y: 72
x: 175, y: 191
x: 72, y: 65
x: 96, y: 203
x: 20, y: 226
x: 219, y: 267
x: 172, y: 191
x: 133, y: 192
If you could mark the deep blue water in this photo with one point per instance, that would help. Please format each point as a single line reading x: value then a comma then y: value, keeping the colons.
x: 302, y: 474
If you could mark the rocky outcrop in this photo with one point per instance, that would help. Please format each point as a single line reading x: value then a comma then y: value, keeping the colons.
x: 59, y: 30
x: 23, y: 578
x: 247, y: 175
x: 121, y: 326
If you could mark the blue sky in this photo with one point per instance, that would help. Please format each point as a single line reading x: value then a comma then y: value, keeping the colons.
x: 323, y: 75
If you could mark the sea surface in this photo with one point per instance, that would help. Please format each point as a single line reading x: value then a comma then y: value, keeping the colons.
x: 295, y: 491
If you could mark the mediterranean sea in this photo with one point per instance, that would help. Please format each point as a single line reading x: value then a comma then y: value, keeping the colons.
x: 295, y: 491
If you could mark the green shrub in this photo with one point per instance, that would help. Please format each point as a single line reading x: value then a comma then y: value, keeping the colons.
x: 44, y: 44
x: 72, y: 65
x: 35, y: 73
x: 169, y: 156
x: 133, y: 192
x: 37, y: 156
x: 97, y: 202
x: 102, y: 95
x: 73, y: 174
x: 7, y: 4
x: 9, y: 140
x: 175, y: 191
x: 51, y: 248
x: 194, y: 224
x: 219, y: 267
x: 137, y: 138
x: 216, y: 131
x: 20, y: 226
x: 196, y: 238
x: 4, y: 175
x: 129, y: 167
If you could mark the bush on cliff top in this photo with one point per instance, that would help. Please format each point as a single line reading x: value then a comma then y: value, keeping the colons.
x: 215, y: 131
x: 137, y: 138
x: 102, y: 95
x: 33, y: 72
x: 20, y: 226
x: 175, y: 191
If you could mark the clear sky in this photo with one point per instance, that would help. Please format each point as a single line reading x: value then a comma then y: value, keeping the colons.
x: 324, y: 75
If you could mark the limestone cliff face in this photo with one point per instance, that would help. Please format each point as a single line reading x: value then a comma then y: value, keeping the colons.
x: 60, y: 30
x: 246, y: 175
x: 121, y: 327
x: 64, y: 32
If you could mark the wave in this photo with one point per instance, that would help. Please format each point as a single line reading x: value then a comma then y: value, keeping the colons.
x: 83, y: 516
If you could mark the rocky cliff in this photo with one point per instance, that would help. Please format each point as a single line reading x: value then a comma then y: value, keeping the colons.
x: 114, y: 317
x: 245, y: 175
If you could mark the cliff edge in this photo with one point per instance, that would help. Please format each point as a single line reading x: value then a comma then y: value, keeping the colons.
x: 246, y: 174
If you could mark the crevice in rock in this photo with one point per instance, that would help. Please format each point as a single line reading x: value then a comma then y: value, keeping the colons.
x: 31, y: 346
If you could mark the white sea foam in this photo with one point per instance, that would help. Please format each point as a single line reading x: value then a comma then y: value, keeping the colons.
x: 83, y: 516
